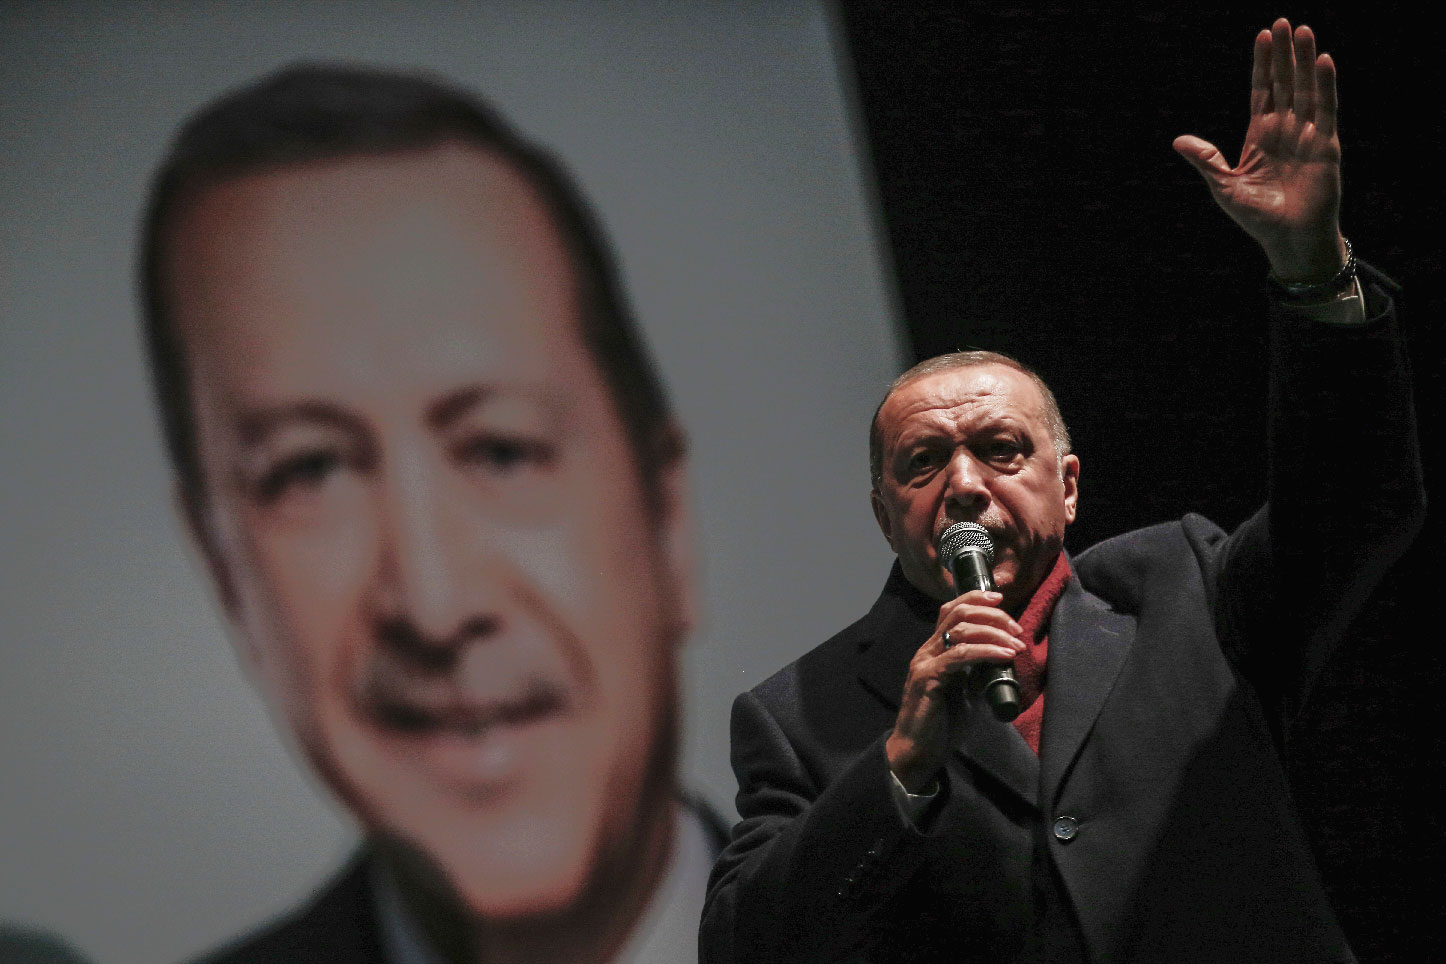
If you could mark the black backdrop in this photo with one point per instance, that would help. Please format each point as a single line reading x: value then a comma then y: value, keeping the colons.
x: 1034, y: 206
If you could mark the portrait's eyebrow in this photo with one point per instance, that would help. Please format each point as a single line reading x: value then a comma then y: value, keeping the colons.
x: 452, y: 406
x: 256, y: 424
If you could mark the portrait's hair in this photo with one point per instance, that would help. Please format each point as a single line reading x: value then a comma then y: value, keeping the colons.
x: 1058, y: 431
x: 317, y: 112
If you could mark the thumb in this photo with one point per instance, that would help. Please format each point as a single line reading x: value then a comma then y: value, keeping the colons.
x: 1202, y: 155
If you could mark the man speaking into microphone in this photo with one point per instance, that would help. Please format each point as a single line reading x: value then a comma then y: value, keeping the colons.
x: 1136, y: 809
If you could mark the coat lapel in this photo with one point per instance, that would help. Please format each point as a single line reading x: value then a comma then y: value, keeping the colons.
x: 999, y: 750
x: 1088, y: 643
x: 896, y: 627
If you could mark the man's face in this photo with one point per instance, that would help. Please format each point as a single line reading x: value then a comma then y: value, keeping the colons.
x: 424, y: 515
x: 972, y: 445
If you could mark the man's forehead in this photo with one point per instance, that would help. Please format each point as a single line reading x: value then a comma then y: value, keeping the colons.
x: 985, y: 390
x: 358, y: 262
x: 341, y: 202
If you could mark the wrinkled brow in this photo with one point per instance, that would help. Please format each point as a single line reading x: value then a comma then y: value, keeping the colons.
x: 931, y: 426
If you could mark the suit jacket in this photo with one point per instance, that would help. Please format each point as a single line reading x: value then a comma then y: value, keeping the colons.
x: 340, y: 923
x: 1156, y: 823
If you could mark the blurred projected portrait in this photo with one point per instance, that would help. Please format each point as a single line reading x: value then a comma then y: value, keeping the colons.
x: 436, y: 484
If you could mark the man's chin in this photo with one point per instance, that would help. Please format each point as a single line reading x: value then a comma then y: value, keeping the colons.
x: 520, y: 890
x: 509, y: 869
x: 509, y: 848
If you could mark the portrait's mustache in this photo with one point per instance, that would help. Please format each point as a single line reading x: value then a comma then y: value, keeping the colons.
x: 403, y: 711
x: 411, y: 684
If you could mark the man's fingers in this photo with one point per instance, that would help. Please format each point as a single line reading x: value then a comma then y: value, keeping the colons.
x: 959, y: 659
x: 1325, y: 93
x: 1202, y: 155
x: 1260, y: 102
x: 957, y: 612
x: 965, y: 638
x: 1305, y: 73
x: 1282, y: 65
x: 974, y: 597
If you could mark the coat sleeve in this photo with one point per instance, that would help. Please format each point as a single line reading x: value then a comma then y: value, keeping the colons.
x: 1345, y: 497
x: 809, y: 865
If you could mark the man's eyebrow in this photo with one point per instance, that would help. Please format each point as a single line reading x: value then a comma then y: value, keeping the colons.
x: 255, y: 424
x: 452, y: 406
x: 914, y: 437
x: 925, y: 429
x: 922, y: 429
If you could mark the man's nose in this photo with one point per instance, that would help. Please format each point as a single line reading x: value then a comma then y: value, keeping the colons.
x: 431, y: 559
x: 964, y: 483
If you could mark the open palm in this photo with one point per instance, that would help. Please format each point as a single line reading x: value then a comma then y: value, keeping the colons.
x: 1285, y: 191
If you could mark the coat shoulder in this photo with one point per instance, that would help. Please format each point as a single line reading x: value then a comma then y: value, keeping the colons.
x: 338, y: 923
x: 1125, y: 569
x: 833, y: 658
x: 899, y: 610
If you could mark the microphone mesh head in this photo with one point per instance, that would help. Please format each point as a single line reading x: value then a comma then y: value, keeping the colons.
x: 961, y: 536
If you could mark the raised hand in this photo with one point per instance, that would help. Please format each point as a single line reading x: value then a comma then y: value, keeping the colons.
x: 1285, y: 191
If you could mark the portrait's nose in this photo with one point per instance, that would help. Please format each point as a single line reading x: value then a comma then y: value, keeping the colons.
x: 964, y: 484
x: 429, y: 564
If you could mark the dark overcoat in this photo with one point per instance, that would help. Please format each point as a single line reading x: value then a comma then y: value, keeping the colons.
x: 1156, y: 823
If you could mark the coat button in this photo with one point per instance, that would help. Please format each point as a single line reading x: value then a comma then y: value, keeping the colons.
x: 1065, y: 828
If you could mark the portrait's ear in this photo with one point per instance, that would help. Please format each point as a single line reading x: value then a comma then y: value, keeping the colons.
x: 881, y: 516
x: 674, y: 509
x: 1069, y: 475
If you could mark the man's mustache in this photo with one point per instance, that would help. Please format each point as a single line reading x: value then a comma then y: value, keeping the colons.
x: 410, y: 682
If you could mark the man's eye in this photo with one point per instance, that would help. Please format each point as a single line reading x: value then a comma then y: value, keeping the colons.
x: 922, y: 461
x: 306, y: 470
x: 505, y: 454
x: 1001, y: 451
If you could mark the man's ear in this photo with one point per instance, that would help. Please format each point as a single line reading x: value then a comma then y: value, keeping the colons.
x: 1069, y: 475
x: 196, y: 514
x: 673, y: 508
x: 881, y: 516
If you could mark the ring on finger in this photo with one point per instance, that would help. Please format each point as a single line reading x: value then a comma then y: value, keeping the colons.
x: 947, y: 641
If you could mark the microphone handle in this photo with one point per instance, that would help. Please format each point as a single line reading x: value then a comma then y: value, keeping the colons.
x: 970, y: 569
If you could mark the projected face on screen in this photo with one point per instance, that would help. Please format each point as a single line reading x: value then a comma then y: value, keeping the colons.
x: 426, y: 517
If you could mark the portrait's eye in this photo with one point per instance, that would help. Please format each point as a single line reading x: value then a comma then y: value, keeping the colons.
x: 503, y: 454
x: 304, y: 471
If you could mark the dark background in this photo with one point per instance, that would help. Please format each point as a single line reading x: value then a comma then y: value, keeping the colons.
x: 1034, y: 206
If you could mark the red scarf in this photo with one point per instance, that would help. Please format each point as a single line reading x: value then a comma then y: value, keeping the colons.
x: 1029, y: 665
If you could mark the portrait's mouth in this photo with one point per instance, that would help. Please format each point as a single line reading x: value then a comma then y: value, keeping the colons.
x: 479, y: 746
x: 393, y: 711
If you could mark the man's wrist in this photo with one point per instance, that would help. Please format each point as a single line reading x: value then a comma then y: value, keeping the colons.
x: 911, y: 775
x: 917, y: 786
x: 912, y: 806
x: 1323, y: 282
x: 1344, y: 309
x: 1307, y: 260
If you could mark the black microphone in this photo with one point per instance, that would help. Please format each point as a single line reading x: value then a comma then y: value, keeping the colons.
x: 968, y: 554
